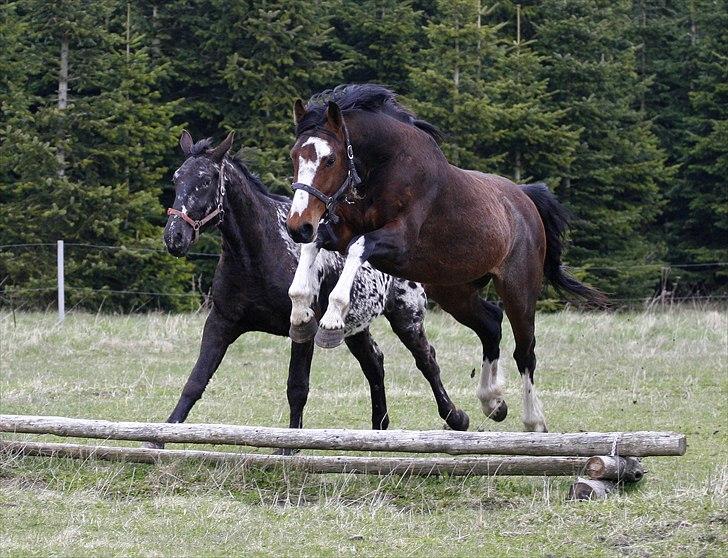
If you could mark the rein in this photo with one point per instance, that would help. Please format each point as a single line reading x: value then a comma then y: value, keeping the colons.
x: 197, y: 225
x: 351, y: 181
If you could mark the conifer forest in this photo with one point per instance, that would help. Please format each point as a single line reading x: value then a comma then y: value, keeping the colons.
x: 620, y: 106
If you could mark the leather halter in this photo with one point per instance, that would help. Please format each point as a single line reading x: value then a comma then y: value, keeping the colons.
x: 197, y: 225
x: 351, y: 181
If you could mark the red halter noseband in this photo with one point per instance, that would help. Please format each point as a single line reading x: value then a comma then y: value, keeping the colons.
x: 197, y: 225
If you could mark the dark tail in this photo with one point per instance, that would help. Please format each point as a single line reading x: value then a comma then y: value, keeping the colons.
x: 555, y: 219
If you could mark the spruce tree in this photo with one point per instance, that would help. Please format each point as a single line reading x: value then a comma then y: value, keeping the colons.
x: 107, y: 131
x: 616, y: 181
x: 699, y: 201
x: 376, y: 41
x: 452, y: 85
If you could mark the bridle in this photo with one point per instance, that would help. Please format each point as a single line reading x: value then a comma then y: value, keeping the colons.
x: 351, y: 181
x: 197, y: 225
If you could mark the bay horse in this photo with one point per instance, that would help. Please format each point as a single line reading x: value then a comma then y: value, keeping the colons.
x: 256, y: 267
x: 374, y: 175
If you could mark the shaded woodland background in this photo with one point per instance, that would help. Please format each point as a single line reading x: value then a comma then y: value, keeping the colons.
x: 620, y: 106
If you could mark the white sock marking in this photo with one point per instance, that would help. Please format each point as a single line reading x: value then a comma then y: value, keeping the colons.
x: 340, y: 296
x: 533, y: 417
x: 304, y: 286
x: 490, y: 387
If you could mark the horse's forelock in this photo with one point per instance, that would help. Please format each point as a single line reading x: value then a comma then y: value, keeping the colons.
x: 201, y: 147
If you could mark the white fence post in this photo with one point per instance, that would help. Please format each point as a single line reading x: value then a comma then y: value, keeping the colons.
x: 61, y: 292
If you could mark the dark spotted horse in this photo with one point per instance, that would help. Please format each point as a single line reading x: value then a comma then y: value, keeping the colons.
x: 256, y: 267
x: 375, y: 176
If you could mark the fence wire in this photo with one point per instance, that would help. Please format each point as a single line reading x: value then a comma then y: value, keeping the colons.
x: 13, y: 292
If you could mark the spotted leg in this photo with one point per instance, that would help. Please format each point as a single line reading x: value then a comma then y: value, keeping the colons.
x: 302, y: 291
x: 406, y: 315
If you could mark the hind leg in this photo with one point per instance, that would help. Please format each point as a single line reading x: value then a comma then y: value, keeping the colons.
x: 371, y: 360
x: 520, y: 306
x: 406, y: 316
x: 484, y: 318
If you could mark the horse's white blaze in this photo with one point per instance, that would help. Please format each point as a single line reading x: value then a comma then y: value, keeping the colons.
x: 307, y: 171
x: 340, y: 296
x: 300, y: 202
x: 533, y: 417
x: 303, y: 288
x: 490, y: 387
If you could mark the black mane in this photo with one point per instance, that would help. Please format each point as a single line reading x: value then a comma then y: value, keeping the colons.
x: 204, y: 145
x: 254, y: 180
x: 365, y: 97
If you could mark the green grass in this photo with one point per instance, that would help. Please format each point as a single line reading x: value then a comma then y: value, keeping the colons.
x: 655, y: 371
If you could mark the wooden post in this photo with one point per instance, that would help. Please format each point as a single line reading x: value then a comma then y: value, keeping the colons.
x: 584, y: 444
x: 614, y: 468
x: 417, y: 466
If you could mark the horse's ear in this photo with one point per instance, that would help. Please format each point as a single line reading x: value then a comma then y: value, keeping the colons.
x: 298, y: 111
x: 221, y: 150
x: 333, y: 115
x: 185, y: 142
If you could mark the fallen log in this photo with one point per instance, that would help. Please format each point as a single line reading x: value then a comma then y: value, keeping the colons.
x: 584, y: 444
x: 415, y: 466
x: 614, y: 468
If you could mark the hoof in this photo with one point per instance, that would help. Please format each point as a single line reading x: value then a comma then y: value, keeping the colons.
x: 500, y: 414
x: 304, y: 332
x: 286, y: 451
x: 458, y: 420
x: 152, y: 445
x: 329, y: 338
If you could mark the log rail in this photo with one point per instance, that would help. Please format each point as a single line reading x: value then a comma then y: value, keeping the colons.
x: 581, y: 444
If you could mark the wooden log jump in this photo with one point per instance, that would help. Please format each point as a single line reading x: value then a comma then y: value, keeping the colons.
x: 414, y: 466
x: 583, y: 444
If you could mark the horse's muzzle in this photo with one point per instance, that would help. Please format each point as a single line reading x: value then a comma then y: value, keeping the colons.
x: 303, y: 234
x: 177, y: 237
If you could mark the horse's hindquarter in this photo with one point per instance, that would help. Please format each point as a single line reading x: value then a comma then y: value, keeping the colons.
x: 468, y: 231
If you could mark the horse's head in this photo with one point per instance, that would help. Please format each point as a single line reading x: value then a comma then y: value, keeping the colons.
x: 199, y: 190
x: 323, y: 171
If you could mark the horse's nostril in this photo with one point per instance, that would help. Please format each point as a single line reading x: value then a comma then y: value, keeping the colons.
x: 306, y: 232
x: 302, y: 234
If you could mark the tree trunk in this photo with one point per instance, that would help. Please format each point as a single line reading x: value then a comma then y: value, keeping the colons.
x: 62, y: 104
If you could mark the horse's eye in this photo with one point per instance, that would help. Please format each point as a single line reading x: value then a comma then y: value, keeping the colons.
x: 330, y: 160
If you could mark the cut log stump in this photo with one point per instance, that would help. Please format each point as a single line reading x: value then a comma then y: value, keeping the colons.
x: 614, y: 468
x: 590, y: 489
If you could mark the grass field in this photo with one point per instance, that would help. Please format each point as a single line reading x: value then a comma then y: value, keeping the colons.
x: 656, y: 371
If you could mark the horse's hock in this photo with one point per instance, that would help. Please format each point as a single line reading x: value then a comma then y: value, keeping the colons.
x: 607, y: 459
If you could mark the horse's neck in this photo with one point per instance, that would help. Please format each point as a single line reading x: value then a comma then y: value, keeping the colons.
x: 248, y: 217
x: 377, y: 137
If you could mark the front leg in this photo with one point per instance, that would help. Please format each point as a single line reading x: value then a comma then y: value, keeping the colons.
x: 386, y: 242
x: 302, y: 292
